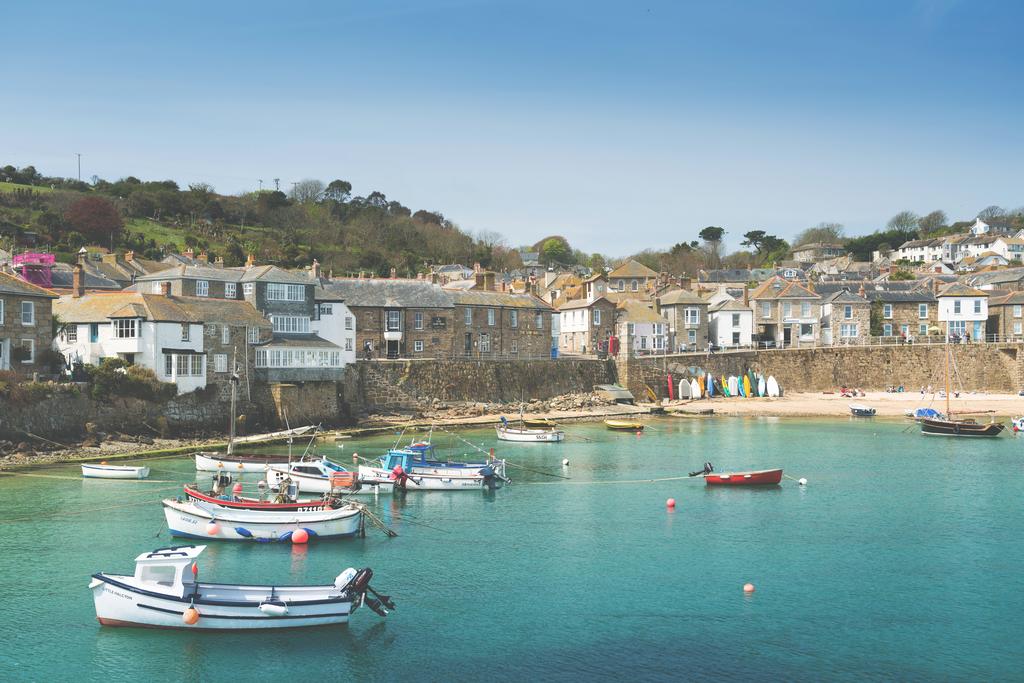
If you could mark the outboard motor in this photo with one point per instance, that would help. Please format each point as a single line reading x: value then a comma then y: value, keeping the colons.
x: 262, y: 488
x: 490, y: 477
x: 221, y: 482
x: 399, y: 476
x: 292, y: 492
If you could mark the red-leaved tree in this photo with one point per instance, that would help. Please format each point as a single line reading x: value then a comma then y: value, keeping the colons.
x: 96, y: 218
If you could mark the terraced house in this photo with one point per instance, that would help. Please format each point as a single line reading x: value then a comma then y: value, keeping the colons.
x: 26, y: 327
x: 786, y: 313
x: 687, y: 316
x: 909, y: 314
x: 845, y: 318
x: 498, y: 324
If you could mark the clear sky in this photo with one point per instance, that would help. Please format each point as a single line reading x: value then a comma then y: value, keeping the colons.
x: 620, y: 125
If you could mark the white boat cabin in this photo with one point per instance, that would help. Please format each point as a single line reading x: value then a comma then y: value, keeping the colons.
x: 169, y: 568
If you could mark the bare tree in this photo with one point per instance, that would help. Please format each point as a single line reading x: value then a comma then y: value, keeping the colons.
x: 307, y: 191
x: 990, y: 212
x: 933, y: 222
x: 824, y: 233
x: 905, y: 222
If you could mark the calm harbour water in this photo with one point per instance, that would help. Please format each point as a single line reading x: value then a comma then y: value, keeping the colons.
x: 901, y: 559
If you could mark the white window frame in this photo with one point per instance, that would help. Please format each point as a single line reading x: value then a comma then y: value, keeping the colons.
x: 922, y: 311
x: 186, y: 332
x: 417, y: 346
x: 956, y: 306
x: 887, y: 311
x: 225, y: 334
x: 230, y: 290
x: 485, y: 342
x: 691, y: 316
x: 1018, y: 310
x: 70, y: 333
x: 538, y: 321
x: 922, y: 329
x: 348, y: 322
x: 417, y: 321
x: 736, y: 320
x: 30, y: 308
x: 1017, y: 328
x: 597, y: 316
x: 279, y: 291
x: 393, y: 320
x: 848, y: 330
x: 634, y: 285
x: 126, y: 328
x: 847, y: 312
x: 514, y: 346
x: 252, y: 335
x: 490, y: 317
x: 468, y: 316
x: 691, y: 336
x: 787, y: 309
x: 248, y: 288
x: 766, y: 309
x: 31, y: 345
x: 220, y: 362
x: 805, y: 309
x: 202, y: 288
x: 290, y: 324
x: 977, y: 306
x: 348, y: 343
x: 887, y: 330
x: 513, y: 318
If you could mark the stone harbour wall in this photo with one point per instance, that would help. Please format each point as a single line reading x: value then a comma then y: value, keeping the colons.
x: 976, y: 367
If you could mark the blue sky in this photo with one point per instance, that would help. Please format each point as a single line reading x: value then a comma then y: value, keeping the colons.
x: 619, y: 125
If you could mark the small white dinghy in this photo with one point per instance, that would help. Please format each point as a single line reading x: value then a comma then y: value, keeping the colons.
x: 165, y: 592
x: 196, y: 519
x: 104, y: 471
x: 527, y: 435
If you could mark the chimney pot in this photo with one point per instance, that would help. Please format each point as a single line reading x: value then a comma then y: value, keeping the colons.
x: 204, y: 257
x: 77, y: 281
x: 250, y: 261
x: 314, y: 270
x: 189, y: 253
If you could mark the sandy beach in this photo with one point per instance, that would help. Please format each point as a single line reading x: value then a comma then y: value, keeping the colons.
x: 833, y: 405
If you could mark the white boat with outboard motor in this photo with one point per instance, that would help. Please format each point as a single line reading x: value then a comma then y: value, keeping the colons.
x: 165, y: 592
x: 416, y: 467
x: 105, y: 471
x: 199, y: 519
x: 247, y: 462
x: 326, y: 476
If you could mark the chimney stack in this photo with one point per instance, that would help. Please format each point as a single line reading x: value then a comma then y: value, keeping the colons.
x: 314, y: 270
x: 165, y: 288
x: 82, y: 255
x: 219, y: 262
x: 129, y: 256
x: 746, y: 296
x: 476, y: 267
x: 250, y: 261
x: 489, y: 281
x: 394, y: 273
x: 204, y: 257
x: 189, y: 253
x: 110, y: 258
x: 935, y: 286
x: 78, y: 281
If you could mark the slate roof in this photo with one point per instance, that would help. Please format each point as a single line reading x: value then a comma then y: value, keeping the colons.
x: 958, y: 289
x: 733, y: 275
x: 997, y: 276
x: 62, y: 277
x: 1011, y: 299
x: 582, y: 303
x: 638, y: 312
x: 845, y: 297
x: 381, y: 292
x: 904, y: 296
x: 633, y: 268
x: 304, y: 341
x: 241, y: 274
x: 680, y: 296
x: 98, y: 307
x: 777, y: 288
x: 11, y: 284
x: 476, y: 297
x: 730, y: 305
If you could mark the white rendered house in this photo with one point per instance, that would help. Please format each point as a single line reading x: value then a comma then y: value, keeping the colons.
x: 963, y: 311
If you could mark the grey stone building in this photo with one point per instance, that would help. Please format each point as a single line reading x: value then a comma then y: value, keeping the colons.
x: 26, y: 325
x: 687, y: 316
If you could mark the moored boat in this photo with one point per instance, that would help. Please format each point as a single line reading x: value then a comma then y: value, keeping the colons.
x: 104, y: 471
x: 751, y: 478
x: 964, y: 427
x: 237, y: 502
x: 197, y: 519
x: 326, y: 476
x: 245, y: 462
x: 539, y: 423
x: 165, y: 592
x: 524, y: 434
x: 861, y: 410
x: 415, y: 467
x: 624, y: 425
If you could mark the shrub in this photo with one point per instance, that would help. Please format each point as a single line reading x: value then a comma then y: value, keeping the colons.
x: 114, y: 377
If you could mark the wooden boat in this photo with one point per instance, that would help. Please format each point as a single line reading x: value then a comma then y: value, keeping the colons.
x: 539, y: 423
x: 861, y: 410
x: 326, y: 476
x: 246, y: 462
x: 195, y: 519
x: 624, y: 425
x: 234, y: 502
x: 529, y: 435
x: 752, y: 478
x: 416, y: 468
x: 948, y: 426
x: 102, y: 471
x: 164, y: 593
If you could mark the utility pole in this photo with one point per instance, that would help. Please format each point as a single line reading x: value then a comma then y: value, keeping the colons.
x: 261, y: 184
x: 277, y: 184
x: 79, y: 166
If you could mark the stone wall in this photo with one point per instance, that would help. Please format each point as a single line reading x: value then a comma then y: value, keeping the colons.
x: 979, y: 367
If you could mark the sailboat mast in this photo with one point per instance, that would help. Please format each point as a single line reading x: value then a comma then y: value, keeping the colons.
x: 234, y: 398
x: 948, y: 415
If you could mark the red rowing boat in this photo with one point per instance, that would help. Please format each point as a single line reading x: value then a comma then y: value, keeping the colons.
x: 755, y: 478
x: 239, y: 503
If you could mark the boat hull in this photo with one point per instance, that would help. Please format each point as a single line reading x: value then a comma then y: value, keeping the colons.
x: 530, y: 435
x: 233, y: 463
x: 932, y: 427
x: 114, y: 472
x: 250, y: 504
x: 755, y: 478
x: 624, y: 426
x: 192, y: 520
x: 312, y: 484
x: 432, y: 481
x: 118, y: 603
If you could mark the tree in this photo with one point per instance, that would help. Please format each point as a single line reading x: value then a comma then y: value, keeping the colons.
x: 933, y: 222
x: 899, y: 275
x: 904, y: 222
x: 338, y: 191
x: 822, y: 233
x: 555, y: 250
x: 95, y: 218
x: 755, y: 239
x: 986, y: 214
x: 307, y: 191
x: 377, y: 199
x: 712, y: 236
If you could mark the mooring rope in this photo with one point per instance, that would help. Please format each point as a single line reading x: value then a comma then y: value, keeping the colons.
x: 80, y: 478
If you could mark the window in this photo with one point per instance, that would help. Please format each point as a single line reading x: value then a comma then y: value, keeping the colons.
x: 125, y: 328
x: 634, y: 285
x: 597, y: 316
x: 394, y: 321
x: 348, y: 343
x: 922, y: 329
x: 469, y: 316
x: 691, y: 316
x: 787, y: 309
x: 1017, y: 328
x: 185, y: 329
x: 848, y: 330
x: 956, y: 306
x: 158, y: 287
x: 417, y: 321
x: 691, y: 336
x: 485, y: 343
x: 202, y: 288
x: 805, y: 309
x: 417, y: 346
x: 247, y: 289
x: 904, y: 330
x: 252, y: 335
x: 28, y: 313
x: 958, y: 327
x: 30, y: 346
x: 922, y: 311
x: 656, y: 329
x: 220, y: 362
x: 630, y: 329
x: 230, y: 290
x: 1, y: 312
x: 847, y: 312
x: 281, y: 292
x: 181, y: 365
x: 290, y: 324
x: 887, y: 330
x: 326, y: 309
x: 490, y: 317
x: 168, y: 364
x: 766, y: 309
x: 977, y: 306
x: 348, y: 322
x: 887, y: 311
x: 225, y: 334
x: 643, y: 342
x: 71, y: 333
x: 538, y: 321
x: 514, y: 348
x: 513, y: 318
x: 735, y: 319
x: 1016, y: 311
x: 197, y: 365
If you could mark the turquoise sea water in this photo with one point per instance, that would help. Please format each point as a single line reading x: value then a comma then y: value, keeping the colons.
x: 901, y: 559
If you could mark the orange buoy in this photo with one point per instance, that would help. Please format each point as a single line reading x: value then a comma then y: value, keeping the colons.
x: 748, y: 588
x: 639, y: 433
x: 195, y: 570
x: 300, y: 536
x: 212, y: 529
x: 237, y: 489
x: 670, y: 503
x: 190, y: 616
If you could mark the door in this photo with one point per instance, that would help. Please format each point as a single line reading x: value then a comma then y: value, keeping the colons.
x: 392, y: 349
x: 787, y: 333
x: 94, y: 333
x: 978, y: 333
x: 468, y: 343
x: 4, y: 354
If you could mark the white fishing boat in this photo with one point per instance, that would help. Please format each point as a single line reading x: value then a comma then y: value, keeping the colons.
x: 325, y: 476
x: 196, y: 519
x: 218, y: 462
x: 525, y: 434
x: 165, y: 592
x: 413, y: 468
x: 104, y: 471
